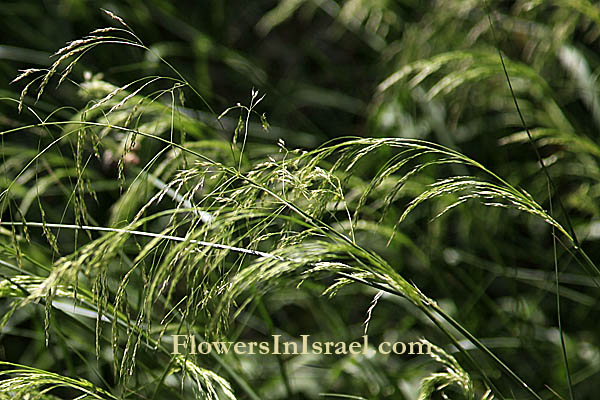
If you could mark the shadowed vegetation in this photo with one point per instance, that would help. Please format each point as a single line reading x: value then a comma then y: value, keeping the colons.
x: 414, y: 171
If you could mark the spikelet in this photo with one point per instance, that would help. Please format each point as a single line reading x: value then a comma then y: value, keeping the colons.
x: 104, y: 30
x: 63, y: 56
x: 67, y: 71
x: 131, y: 95
x: 25, y: 73
x: 110, y: 96
x: 116, y: 17
x: 77, y: 43
x: 24, y: 93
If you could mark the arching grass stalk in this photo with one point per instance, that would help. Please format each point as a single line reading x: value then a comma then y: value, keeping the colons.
x: 426, y: 305
x: 551, y: 190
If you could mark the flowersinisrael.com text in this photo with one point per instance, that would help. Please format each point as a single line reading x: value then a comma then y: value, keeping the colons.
x: 190, y: 345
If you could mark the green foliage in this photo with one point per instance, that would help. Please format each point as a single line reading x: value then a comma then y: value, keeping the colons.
x: 131, y: 211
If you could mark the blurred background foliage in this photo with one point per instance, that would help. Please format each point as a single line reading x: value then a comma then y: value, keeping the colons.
x: 426, y: 70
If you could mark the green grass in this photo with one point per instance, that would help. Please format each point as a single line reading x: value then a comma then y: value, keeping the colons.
x: 455, y: 202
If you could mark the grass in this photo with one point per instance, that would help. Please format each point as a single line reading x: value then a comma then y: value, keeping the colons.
x: 127, y: 219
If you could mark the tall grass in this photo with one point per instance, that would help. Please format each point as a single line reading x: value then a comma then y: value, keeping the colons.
x: 134, y: 217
